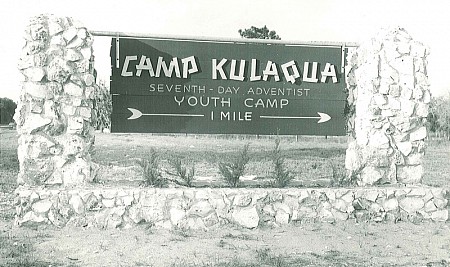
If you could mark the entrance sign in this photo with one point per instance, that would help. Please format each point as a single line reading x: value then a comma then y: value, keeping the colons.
x: 197, y: 86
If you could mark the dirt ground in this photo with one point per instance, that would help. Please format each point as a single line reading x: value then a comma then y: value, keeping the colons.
x: 319, y: 244
x: 348, y: 243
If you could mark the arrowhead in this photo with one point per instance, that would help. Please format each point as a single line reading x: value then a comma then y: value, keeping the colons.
x: 136, y: 114
x: 323, y: 117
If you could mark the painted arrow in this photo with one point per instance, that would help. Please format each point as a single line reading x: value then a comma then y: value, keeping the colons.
x: 323, y: 117
x: 136, y: 114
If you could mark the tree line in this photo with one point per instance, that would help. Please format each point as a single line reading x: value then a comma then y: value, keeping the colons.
x: 439, y: 116
x: 7, y: 109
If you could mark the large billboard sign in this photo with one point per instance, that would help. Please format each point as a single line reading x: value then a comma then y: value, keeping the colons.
x: 220, y: 87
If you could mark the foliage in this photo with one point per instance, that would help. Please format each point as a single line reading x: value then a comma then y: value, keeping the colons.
x: 281, y: 177
x: 266, y: 257
x: 102, y: 106
x: 182, y: 171
x: 19, y: 250
x: 340, y: 177
x: 232, y: 171
x: 151, y: 171
x: 259, y: 33
x: 7, y: 109
x: 439, y: 116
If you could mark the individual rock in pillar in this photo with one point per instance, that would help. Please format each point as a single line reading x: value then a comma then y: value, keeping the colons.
x: 371, y: 175
x: 74, y: 145
x: 76, y: 172
x: 33, y: 123
x: 55, y: 25
x: 85, y: 112
x: 36, y: 171
x: 55, y: 179
x: 421, y: 110
x: 34, y: 47
x: 39, y: 146
x: 37, y: 29
x: 415, y: 158
x: 49, y: 109
x: 76, y: 125
x: 410, y: 174
x: 34, y: 74
x: 426, y: 99
x: 404, y: 147
x: 404, y: 65
x: 404, y: 124
x: 55, y: 51
x: 59, y: 70
x: 353, y: 159
x: 55, y: 128
x: 77, y: 37
x: 73, y: 89
x: 417, y: 93
x: 72, y: 55
x: 375, y: 157
x: 394, y: 90
x: 378, y: 139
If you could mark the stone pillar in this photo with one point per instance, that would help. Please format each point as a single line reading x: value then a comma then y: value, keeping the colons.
x: 54, y: 113
x: 388, y: 99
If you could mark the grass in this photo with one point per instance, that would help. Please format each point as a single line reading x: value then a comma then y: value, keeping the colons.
x: 266, y: 258
x: 233, y: 170
x: 150, y: 168
x: 18, y: 250
x: 436, y: 163
x: 281, y: 176
x: 186, y: 175
x: 307, y: 164
x: 309, y: 159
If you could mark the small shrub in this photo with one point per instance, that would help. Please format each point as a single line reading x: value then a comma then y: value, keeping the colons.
x: 182, y: 171
x: 102, y: 107
x: 340, y: 177
x: 281, y: 177
x: 232, y: 171
x: 151, y: 172
x: 265, y: 257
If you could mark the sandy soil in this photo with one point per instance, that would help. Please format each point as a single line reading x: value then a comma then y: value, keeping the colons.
x: 319, y: 244
x: 310, y: 244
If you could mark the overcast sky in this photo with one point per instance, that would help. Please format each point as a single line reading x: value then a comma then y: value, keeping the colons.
x: 318, y: 20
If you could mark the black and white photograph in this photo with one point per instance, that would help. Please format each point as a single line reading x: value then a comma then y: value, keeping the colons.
x: 195, y: 133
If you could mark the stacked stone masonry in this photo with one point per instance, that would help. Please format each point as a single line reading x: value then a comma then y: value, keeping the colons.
x: 388, y: 92
x: 208, y: 208
x: 388, y: 98
x: 54, y: 113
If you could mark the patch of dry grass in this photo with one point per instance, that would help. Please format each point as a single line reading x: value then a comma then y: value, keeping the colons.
x: 309, y: 159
